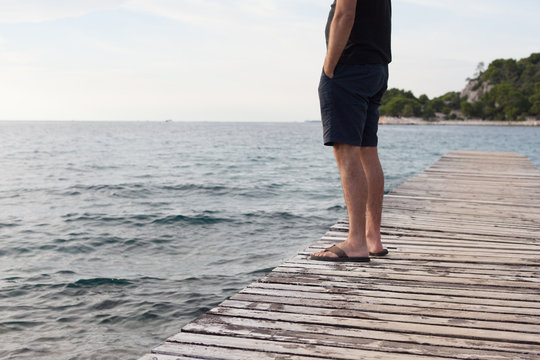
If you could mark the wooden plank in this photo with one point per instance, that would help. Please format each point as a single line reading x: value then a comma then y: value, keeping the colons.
x: 468, y: 200
x: 451, y: 236
x: 463, y: 208
x: 438, y: 244
x: 288, y: 348
x: 338, y: 284
x: 396, y: 297
x: 403, y: 266
x: 167, y: 357
x: 460, y: 191
x: 482, y: 184
x: 474, y: 213
x: 408, y: 223
x: 384, y: 308
x: 519, y: 260
x: 461, y: 281
x: 440, y: 247
x: 401, y: 217
x: 356, y: 338
x: 185, y: 343
x: 408, y: 266
x: 380, y: 272
x: 488, y: 174
x: 384, y: 317
x: 526, y: 285
x: 426, y: 329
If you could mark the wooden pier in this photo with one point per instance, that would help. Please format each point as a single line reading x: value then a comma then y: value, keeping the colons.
x: 461, y: 280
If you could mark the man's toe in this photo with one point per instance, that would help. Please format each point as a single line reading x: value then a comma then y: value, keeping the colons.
x: 325, y: 253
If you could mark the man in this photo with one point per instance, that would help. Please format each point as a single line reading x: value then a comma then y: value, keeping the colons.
x: 353, y: 81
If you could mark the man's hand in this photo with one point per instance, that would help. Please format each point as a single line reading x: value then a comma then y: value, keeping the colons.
x: 340, y: 30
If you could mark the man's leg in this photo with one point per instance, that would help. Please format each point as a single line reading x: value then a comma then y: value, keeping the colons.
x: 375, y: 184
x: 355, y: 191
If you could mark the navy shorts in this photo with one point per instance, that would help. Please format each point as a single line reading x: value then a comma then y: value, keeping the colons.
x: 350, y: 103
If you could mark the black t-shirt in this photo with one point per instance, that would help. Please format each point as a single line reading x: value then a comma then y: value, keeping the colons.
x: 369, y: 42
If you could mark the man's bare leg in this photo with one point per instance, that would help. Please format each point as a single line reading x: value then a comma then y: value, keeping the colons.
x: 355, y: 191
x: 375, y: 184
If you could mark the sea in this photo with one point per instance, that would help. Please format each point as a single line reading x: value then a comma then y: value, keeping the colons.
x: 113, y: 235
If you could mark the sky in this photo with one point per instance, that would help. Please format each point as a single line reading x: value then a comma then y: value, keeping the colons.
x: 228, y: 60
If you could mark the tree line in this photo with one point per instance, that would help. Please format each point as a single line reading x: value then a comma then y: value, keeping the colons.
x: 506, y: 90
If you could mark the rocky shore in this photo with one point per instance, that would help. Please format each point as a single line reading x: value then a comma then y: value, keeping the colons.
x: 386, y: 120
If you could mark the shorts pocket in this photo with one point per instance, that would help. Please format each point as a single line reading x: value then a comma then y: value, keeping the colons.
x: 326, y: 76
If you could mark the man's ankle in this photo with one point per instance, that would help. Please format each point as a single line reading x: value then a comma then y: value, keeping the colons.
x: 356, y: 241
x: 373, y: 235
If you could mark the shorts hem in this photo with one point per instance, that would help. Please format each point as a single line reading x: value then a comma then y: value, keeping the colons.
x: 330, y: 142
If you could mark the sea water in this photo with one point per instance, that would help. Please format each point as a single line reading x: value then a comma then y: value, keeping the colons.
x: 113, y: 235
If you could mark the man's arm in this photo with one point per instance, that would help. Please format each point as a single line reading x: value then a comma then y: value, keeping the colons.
x: 340, y: 30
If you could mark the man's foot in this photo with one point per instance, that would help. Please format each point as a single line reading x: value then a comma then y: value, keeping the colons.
x: 351, y: 251
x: 341, y: 256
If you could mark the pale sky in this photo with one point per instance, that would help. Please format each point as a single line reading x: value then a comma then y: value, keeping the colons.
x: 227, y: 60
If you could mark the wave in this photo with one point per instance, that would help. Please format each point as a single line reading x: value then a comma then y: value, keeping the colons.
x: 284, y: 215
x: 138, y: 190
x: 191, y: 220
x: 8, y: 225
x: 95, y: 282
x: 336, y: 208
x: 203, y: 218
x: 192, y: 187
x: 261, y: 271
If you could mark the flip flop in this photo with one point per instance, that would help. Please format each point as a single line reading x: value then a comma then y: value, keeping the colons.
x: 380, y: 253
x: 341, y: 256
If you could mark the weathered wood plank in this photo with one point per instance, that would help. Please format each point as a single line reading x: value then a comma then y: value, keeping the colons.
x: 185, y: 343
x: 487, y: 195
x: 411, y: 298
x: 167, y: 357
x: 357, y: 338
x: 463, y: 282
x: 452, y: 240
x: 401, y: 309
x: 440, y: 248
x: 473, y: 203
x: 442, y: 242
x: 407, y: 266
x: 305, y: 267
x: 520, y: 259
x: 396, y: 326
x: 289, y: 348
x: 410, y: 223
x: 384, y: 317
x: 510, y: 224
x: 427, y: 234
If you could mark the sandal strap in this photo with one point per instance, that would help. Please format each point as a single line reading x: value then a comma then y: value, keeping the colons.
x: 337, y: 250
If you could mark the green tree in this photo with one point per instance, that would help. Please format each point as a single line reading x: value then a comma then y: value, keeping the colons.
x: 428, y: 112
x: 472, y: 110
x: 396, y: 93
x: 401, y: 106
x: 407, y: 111
x: 534, y: 99
x: 505, y: 102
x: 423, y: 99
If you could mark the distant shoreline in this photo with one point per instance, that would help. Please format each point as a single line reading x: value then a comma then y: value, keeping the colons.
x: 386, y: 120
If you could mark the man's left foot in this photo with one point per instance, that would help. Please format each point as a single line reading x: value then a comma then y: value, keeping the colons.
x: 338, y: 255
